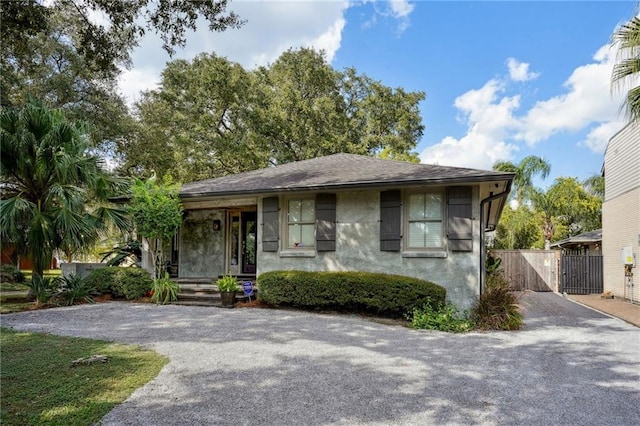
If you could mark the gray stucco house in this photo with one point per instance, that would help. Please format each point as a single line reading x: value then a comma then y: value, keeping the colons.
x: 343, y: 212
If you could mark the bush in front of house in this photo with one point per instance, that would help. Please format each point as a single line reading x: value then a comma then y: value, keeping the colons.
x: 381, y: 294
x: 497, y: 308
x: 443, y: 317
x: 131, y: 283
x: 11, y: 274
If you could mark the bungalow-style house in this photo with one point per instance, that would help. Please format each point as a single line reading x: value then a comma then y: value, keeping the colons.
x: 587, y: 242
x: 344, y: 212
x: 621, y: 213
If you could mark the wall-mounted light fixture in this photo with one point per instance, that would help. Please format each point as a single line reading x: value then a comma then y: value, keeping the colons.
x: 216, y: 225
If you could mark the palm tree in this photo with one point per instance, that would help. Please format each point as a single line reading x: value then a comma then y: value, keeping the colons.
x: 626, y: 73
x: 594, y: 185
x: 524, y: 172
x: 52, y: 188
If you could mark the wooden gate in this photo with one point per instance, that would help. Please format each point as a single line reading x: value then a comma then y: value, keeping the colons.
x: 535, y: 270
x: 581, y: 273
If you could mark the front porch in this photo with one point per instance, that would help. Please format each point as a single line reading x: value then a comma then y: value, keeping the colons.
x: 202, y: 291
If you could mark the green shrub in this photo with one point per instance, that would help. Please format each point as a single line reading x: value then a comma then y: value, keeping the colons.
x: 42, y: 288
x: 497, y: 308
x: 227, y: 283
x: 444, y: 317
x: 381, y: 294
x: 164, y: 290
x: 131, y: 283
x: 74, y: 289
x: 11, y: 274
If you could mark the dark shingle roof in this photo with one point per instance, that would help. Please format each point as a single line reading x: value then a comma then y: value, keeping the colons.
x: 584, y: 238
x: 335, y: 171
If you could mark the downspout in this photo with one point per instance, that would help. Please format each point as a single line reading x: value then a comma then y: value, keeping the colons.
x: 483, y: 248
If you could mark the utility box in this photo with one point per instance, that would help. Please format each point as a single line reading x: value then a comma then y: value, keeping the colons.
x: 627, y: 255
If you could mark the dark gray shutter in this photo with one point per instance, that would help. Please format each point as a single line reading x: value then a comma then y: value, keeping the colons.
x: 326, y: 222
x: 270, y: 224
x: 390, y: 220
x: 460, y: 226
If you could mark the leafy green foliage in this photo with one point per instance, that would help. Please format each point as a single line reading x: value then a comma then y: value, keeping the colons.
x: 519, y: 228
x: 232, y: 120
x: 444, y: 316
x: 121, y: 255
x: 11, y: 274
x: 627, y: 69
x: 38, y: 386
x: 54, y: 192
x: 227, y: 283
x: 131, y: 283
x: 74, y: 289
x: 524, y: 171
x: 497, y: 308
x: 164, y: 290
x: 381, y: 294
x: 156, y: 210
x: 42, y: 288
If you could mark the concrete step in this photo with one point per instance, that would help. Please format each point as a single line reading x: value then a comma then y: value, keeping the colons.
x: 201, y: 303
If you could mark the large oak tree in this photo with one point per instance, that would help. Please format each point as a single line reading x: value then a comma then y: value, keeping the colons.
x: 212, y: 117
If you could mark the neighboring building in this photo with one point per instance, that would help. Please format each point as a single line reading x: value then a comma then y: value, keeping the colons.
x: 590, y: 242
x: 344, y: 212
x: 621, y: 211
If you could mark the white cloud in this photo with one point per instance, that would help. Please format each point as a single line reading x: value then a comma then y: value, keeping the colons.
x: 474, y: 150
x: 588, y: 99
x: 488, y: 116
x: 598, y: 137
x: 400, y: 10
x: 519, y: 71
x: 272, y: 27
x: 494, y: 130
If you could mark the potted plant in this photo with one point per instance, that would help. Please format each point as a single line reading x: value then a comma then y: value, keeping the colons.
x: 227, y: 286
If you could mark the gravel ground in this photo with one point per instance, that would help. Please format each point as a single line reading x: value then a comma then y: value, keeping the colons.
x: 569, y: 365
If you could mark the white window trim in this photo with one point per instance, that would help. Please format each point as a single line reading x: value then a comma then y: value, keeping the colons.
x: 304, y: 251
x: 437, y: 252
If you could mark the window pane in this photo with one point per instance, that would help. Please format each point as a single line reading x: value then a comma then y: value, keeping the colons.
x: 425, y: 234
x: 308, y: 211
x: 294, y: 235
x: 433, y: 236
x: 294, y: 211
x: 433, y: 206
x: 416, y: 234
x: 416, y: 206
x: 308, y: 235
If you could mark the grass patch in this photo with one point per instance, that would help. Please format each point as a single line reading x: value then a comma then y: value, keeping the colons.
x: 7, y: 286
x: 9, y: 308
x: 39, y: 386
x: 53, y: 273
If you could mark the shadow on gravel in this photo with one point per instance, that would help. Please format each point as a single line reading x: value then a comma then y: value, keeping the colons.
x: 254, y: 366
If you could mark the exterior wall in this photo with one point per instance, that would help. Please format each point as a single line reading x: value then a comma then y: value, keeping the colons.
x: 202, y: 250
x: 358, y: 249
x: 621, y: 209
x: 621, y: 228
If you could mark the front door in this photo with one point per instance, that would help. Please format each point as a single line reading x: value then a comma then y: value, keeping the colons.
x: 242, y: 239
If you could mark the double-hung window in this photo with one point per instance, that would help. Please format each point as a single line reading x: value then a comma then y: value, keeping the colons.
x: 301, y: 221
x: 424, y: 221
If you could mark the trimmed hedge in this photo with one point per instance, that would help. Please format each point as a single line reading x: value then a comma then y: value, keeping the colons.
x: 380, y: 294
x: 131, y: 283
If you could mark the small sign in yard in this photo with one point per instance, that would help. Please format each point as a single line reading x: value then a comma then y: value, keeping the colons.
x: 247, y: 287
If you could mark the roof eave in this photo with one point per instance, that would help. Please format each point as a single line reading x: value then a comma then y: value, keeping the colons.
x: 352, y: 185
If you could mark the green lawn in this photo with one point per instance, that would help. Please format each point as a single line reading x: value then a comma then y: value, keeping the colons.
x: 39, y: 386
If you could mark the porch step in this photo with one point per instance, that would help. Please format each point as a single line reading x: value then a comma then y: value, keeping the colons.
x: 200, y: 292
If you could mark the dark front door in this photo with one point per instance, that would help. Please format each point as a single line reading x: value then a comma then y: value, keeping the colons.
x: 241, y: 242
x: 249, y: 228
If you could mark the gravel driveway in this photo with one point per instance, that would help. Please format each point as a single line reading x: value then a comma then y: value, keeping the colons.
x: 569, y: 365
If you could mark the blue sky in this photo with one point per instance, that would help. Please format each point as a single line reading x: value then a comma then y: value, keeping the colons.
x: 503, y: 80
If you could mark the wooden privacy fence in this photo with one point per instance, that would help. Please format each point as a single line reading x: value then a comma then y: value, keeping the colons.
x: 535, y: 270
